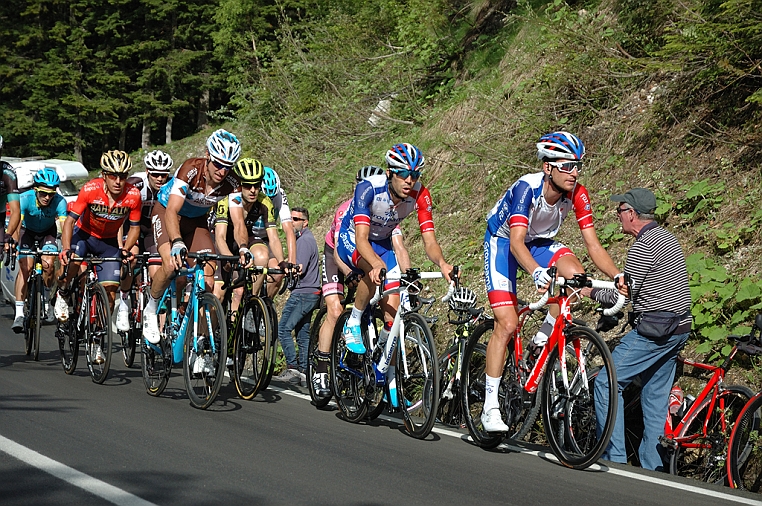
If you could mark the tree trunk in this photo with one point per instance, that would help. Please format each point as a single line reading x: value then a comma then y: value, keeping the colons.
x: 168, y: 130
x: 203, y: 109
x: 145, y: 142
x: 123, y: 138
x: 78, y: 144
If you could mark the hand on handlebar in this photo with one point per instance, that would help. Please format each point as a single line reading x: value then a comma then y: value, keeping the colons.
x: 542, y: 278
x: 65, y: 256
x: 178, y: 253
x: 247, y: 259
x: 127, y: 255
x: 375, y: 274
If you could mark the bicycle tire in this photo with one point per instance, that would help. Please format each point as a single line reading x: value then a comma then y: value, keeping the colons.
x: 98, y: 332
x: 271, y: 351
x: 569, y: 416
x: 29, y: 315
x: 375, y: 394
x: 249, y: 348
x: 131, y: 337
x: 317, y: 401
x: 417, y: 373
x: 744, y: 463
x: 68, y: 344
x: 450, y: 410
x: 701, y: 463
x: 36, y: 324
x: 202, y: 387
x: 156, y: 360
x: 346, y: 384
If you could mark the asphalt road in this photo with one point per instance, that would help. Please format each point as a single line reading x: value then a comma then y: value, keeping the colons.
x: 66, y: 440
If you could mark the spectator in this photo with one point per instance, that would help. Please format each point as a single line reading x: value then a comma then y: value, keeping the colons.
x: 303, y: 300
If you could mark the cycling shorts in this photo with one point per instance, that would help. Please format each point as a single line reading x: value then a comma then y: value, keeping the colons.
x: 348, y: 254
x: 500, y: 266
x: 333, y: 278
x: 83, y: 244
x: 46, y: 240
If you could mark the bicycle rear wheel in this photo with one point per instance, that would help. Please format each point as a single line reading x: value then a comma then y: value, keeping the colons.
x: 703, y: 457
x: 271, y: 346
x: 68, y: 344
x: 36, y: 323
x: 250, y: 362
x: 131, y: 337
x: 569, y: 413
x: 744, y: 466
x: 98, y: 333
x: 205, y: 354
x: 347, y: 376
x: 317, y: 322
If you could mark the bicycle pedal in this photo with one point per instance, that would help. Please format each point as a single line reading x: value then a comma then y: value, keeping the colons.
x: 668, y: 442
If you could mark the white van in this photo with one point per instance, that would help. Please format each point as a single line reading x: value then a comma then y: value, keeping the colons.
x: 72, y: 175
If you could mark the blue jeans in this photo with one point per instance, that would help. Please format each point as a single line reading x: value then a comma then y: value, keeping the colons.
x: 654, y: 361
x: 296, y: 316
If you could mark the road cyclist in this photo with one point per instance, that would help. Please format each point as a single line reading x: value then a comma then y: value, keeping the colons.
x: 273, y: 189
x: 9, y: 198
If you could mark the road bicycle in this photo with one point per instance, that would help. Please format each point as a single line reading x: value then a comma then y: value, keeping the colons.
x: 403, y: 368
x: 89, y: 321
x: 698, y: 442
x: 141, y: 283
x: 744, y: 458
x: 254, y: 327
x: 34, y: 310
x: 562, y: 375
x: 193, y: 333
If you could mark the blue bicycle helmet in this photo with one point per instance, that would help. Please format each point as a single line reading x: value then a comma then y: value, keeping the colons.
x: 47, y: 177
x: 405, y: 156
x: 560, y: 145
x: 271, y: 182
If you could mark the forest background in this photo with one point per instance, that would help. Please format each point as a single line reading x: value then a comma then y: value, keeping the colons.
x: 665, y: 93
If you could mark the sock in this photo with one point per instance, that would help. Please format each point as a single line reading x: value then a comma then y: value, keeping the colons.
x: 323, y: 361
x: 19, y: 308
x: 384, y: 334
x: 490, y: 399
x: 151, y: 305
x: 545, y: 330
x: 354, y: 318
x: 124, y: 299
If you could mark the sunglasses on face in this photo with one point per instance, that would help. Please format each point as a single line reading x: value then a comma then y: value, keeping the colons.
x: 296, y: 218
x: 406, y: 173
x: 567, y: 167
x: 45, y: 192
x: 220, y: 166
x: 158, y: 175
x: 621, y: 210
x: 116, y: 175
x: 249, y: 186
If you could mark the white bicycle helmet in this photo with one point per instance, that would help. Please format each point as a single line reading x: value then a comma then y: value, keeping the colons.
x: 462, y: 299
x: 368, y: 171
x: 158, y: 161
x: 223, y: 147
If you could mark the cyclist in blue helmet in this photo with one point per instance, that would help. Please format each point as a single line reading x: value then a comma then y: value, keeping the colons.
x: 271, y: 187
x: 43, y: 212
x: 520, y: 233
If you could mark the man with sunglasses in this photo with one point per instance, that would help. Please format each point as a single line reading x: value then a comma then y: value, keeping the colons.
x: 181, y: 217
x: 158, y: 165
x: 93, y: 227
x: 43, y: 212
x: 520, y: 232
x: 380, y: 203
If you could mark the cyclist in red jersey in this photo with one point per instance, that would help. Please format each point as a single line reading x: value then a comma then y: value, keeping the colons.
x: 93, y: 226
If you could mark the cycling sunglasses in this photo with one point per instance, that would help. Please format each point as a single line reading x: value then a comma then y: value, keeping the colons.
x: 567, y: 167
x: 406, y: 173
x: 116, y: 175
x: 220, y: 166
x: 258, y: 186
x: 45, y: 189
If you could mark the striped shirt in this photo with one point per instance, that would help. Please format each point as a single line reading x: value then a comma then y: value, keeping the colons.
x: 656, y: 265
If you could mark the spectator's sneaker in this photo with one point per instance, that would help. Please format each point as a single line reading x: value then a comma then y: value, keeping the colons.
x: 123, y: 318
x: 492, y: 421
x: 302, y: 379
x: 151, y: 328
x: 97, y: 355
x: 18, y: 325
x: 353, y: 339
x: 289, y: 376
x: 61, y: 309
x: 320, y: 384
x: 50, y: 316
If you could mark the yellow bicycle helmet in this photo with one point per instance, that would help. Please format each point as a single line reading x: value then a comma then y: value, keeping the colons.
x: 116, y: 162
x: 249, y: 170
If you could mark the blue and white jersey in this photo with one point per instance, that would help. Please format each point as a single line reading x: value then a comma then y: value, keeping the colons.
x: 40, y: 219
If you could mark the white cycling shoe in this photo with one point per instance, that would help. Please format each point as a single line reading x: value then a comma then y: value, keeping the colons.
x: 151, y: 328
x: 492, y: 421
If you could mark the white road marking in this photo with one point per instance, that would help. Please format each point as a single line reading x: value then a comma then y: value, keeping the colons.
x: 595, y: 467
x: 96, y: 487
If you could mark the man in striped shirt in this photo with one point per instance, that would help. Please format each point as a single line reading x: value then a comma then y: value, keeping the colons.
x: 659, y: 282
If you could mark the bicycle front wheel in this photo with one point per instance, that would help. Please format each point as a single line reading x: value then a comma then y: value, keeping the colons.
x: 271, y: 345
x: 744, y: 466
x: 317, y: 322
x: 36, y: 313
x: 568, y: 412
x: 417, y: 373
x: 205, y: 352
x: 98, y: 333
x: 156, y: 360
x: 252, y: 333
x: 702, y: 455
x: 347, y: 375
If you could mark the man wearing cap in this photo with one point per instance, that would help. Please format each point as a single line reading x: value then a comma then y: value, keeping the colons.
x: 659, y: 293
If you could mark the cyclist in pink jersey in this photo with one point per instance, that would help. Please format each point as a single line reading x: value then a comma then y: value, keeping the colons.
x: 520, y: 232
x: 336, y: 274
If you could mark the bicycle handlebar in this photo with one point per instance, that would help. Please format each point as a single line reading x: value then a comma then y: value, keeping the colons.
x: 582, y: 281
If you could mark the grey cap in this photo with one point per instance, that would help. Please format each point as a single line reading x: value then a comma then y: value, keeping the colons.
x: 641, y: 199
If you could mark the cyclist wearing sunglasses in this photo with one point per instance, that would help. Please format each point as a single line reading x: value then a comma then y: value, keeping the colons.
x: 158, y: 165
x: 94, y: 225
x: 520, y: 231
x: 272, y: 188
x: 380, y: 203
x: 180, y: 217
x: 259, y: 221
x: 43, y: 212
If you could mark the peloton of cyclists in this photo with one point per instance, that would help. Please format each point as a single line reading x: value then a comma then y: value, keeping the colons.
x: 93, y: 226
x: 520, y: 231
x: 43, y: 212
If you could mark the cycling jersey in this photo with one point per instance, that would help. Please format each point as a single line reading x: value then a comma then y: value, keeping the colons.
x: 40, y: 219
x: 373, y: 206
x: 189, y: 183
x: 9, y: 190
x: 258, y: 219
x: 333, y: 233
x: 95, y: 216
x: 524, y: 205
x: 280, y: 203
x: 148, y: 196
